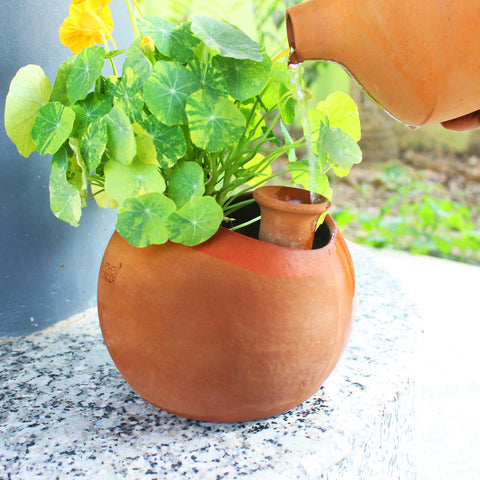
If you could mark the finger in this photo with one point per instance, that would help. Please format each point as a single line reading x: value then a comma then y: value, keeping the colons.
x: 467, y: 122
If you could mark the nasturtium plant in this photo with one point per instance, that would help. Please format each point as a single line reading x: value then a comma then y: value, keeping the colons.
x: 195, y: 118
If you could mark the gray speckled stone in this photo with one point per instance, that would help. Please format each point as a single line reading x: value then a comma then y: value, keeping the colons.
x: 65, y: 411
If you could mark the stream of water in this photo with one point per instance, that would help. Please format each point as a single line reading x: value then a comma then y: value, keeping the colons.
x: 296, y: 80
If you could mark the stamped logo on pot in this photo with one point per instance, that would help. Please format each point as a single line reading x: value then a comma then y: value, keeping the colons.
x: 110, y: 272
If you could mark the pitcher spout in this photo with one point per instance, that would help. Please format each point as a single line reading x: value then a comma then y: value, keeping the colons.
x: 311, y: 31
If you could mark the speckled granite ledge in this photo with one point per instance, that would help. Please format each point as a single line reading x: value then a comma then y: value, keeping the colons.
x: 65, y: 411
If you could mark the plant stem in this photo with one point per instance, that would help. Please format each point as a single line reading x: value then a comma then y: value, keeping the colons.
x: 105, y: 42
x: 137, y: 6
x: 245, y: 224
x: 132, y: 20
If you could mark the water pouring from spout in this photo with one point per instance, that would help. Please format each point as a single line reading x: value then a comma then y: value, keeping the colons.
x: 416, y: 59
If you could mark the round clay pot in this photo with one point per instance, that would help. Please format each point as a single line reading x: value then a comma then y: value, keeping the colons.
x: 234, y: 329
x: 419, y: 59
x: 289, y: 218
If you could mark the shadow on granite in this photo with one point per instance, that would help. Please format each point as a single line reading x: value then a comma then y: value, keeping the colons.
x: 65, y: 411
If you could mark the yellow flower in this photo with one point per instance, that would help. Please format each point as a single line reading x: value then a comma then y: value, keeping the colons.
x: 90, y: 22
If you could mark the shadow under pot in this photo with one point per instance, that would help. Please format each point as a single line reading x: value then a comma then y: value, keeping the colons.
x: 234, y: 329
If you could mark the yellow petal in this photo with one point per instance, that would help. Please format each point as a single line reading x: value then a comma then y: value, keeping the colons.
x: 94, y: 4
x: 71, y: 36
x: 84, y: 27
x: 106, y: 16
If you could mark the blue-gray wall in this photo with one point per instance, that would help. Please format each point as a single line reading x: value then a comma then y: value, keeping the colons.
x: 48, y: 269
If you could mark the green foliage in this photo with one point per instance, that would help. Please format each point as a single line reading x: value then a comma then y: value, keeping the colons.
x: 334, y: 130
x: 424, y: 224
x: 227, y: 40
x: 175, y: 138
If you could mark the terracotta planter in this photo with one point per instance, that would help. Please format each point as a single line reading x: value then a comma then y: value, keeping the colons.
x: 419, y: 59
x: 234, y: 329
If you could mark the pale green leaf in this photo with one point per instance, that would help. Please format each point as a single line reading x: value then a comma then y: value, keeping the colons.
x: 211, y: 79
x: 215, y: 122
x: 341, y: 112
x: 59, y: 91
x: 278, y: 94
x: 93, y: 143
x: 142, y: 220
x: 86, y: 68
x: 169, y: 142
x: 101, y: 197
x: 312, y: 179
x: 128, y: 95
x: 77, y: 167
x: 146, y: 151
x: 137, y: 61
x: 196, y: 221
x: 167, y: 89
x: 174, y: 41
x: 125, y: 181
x: 186, y: 182
x: 121, y: 139
x: 29, y: 90
x: 245, y: 78
x: 226, y: 39
x: 65, y: 198
x: 95, y: 106
x: 53, y: 126
x: 342, y: 149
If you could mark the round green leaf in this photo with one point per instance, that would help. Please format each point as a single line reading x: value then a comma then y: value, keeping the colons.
x: 95, y: 106
x: 342, y: 112
x: 186, y: 182
x: 196, y: 221
x: 121, y: 139
x: 174, y: 41
x: 59, y: 91
x: 226, y: 39
x: 211, y: 79
x: 142, y: 220
x: 245, y: 78
x: 101, y: 197
x: 169, y: 142
x: 146, y: 152
x: 29, y: 91
x: 137, y: 61
x: 127, y: 93
x: 65, y: 198
x: 215, y: 122
x: 93, y: 144
x: 52, y: 127
x: 87, y: 67
x: 124, y: 181
x: 167, y: 89
x: 340, y: 146
x: 276, y: 93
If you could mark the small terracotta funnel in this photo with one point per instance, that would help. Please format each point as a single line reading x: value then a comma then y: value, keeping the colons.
x: 289, y: 219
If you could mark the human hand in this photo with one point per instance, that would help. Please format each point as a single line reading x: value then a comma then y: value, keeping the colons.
x: 466, y: 122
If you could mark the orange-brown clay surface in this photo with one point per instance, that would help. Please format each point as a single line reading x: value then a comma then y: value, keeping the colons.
x: 234, y: 329
x: 288, y: 218
x: 418, y: 59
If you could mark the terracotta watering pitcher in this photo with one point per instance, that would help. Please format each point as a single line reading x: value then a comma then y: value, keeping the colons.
x: 419, y: 59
